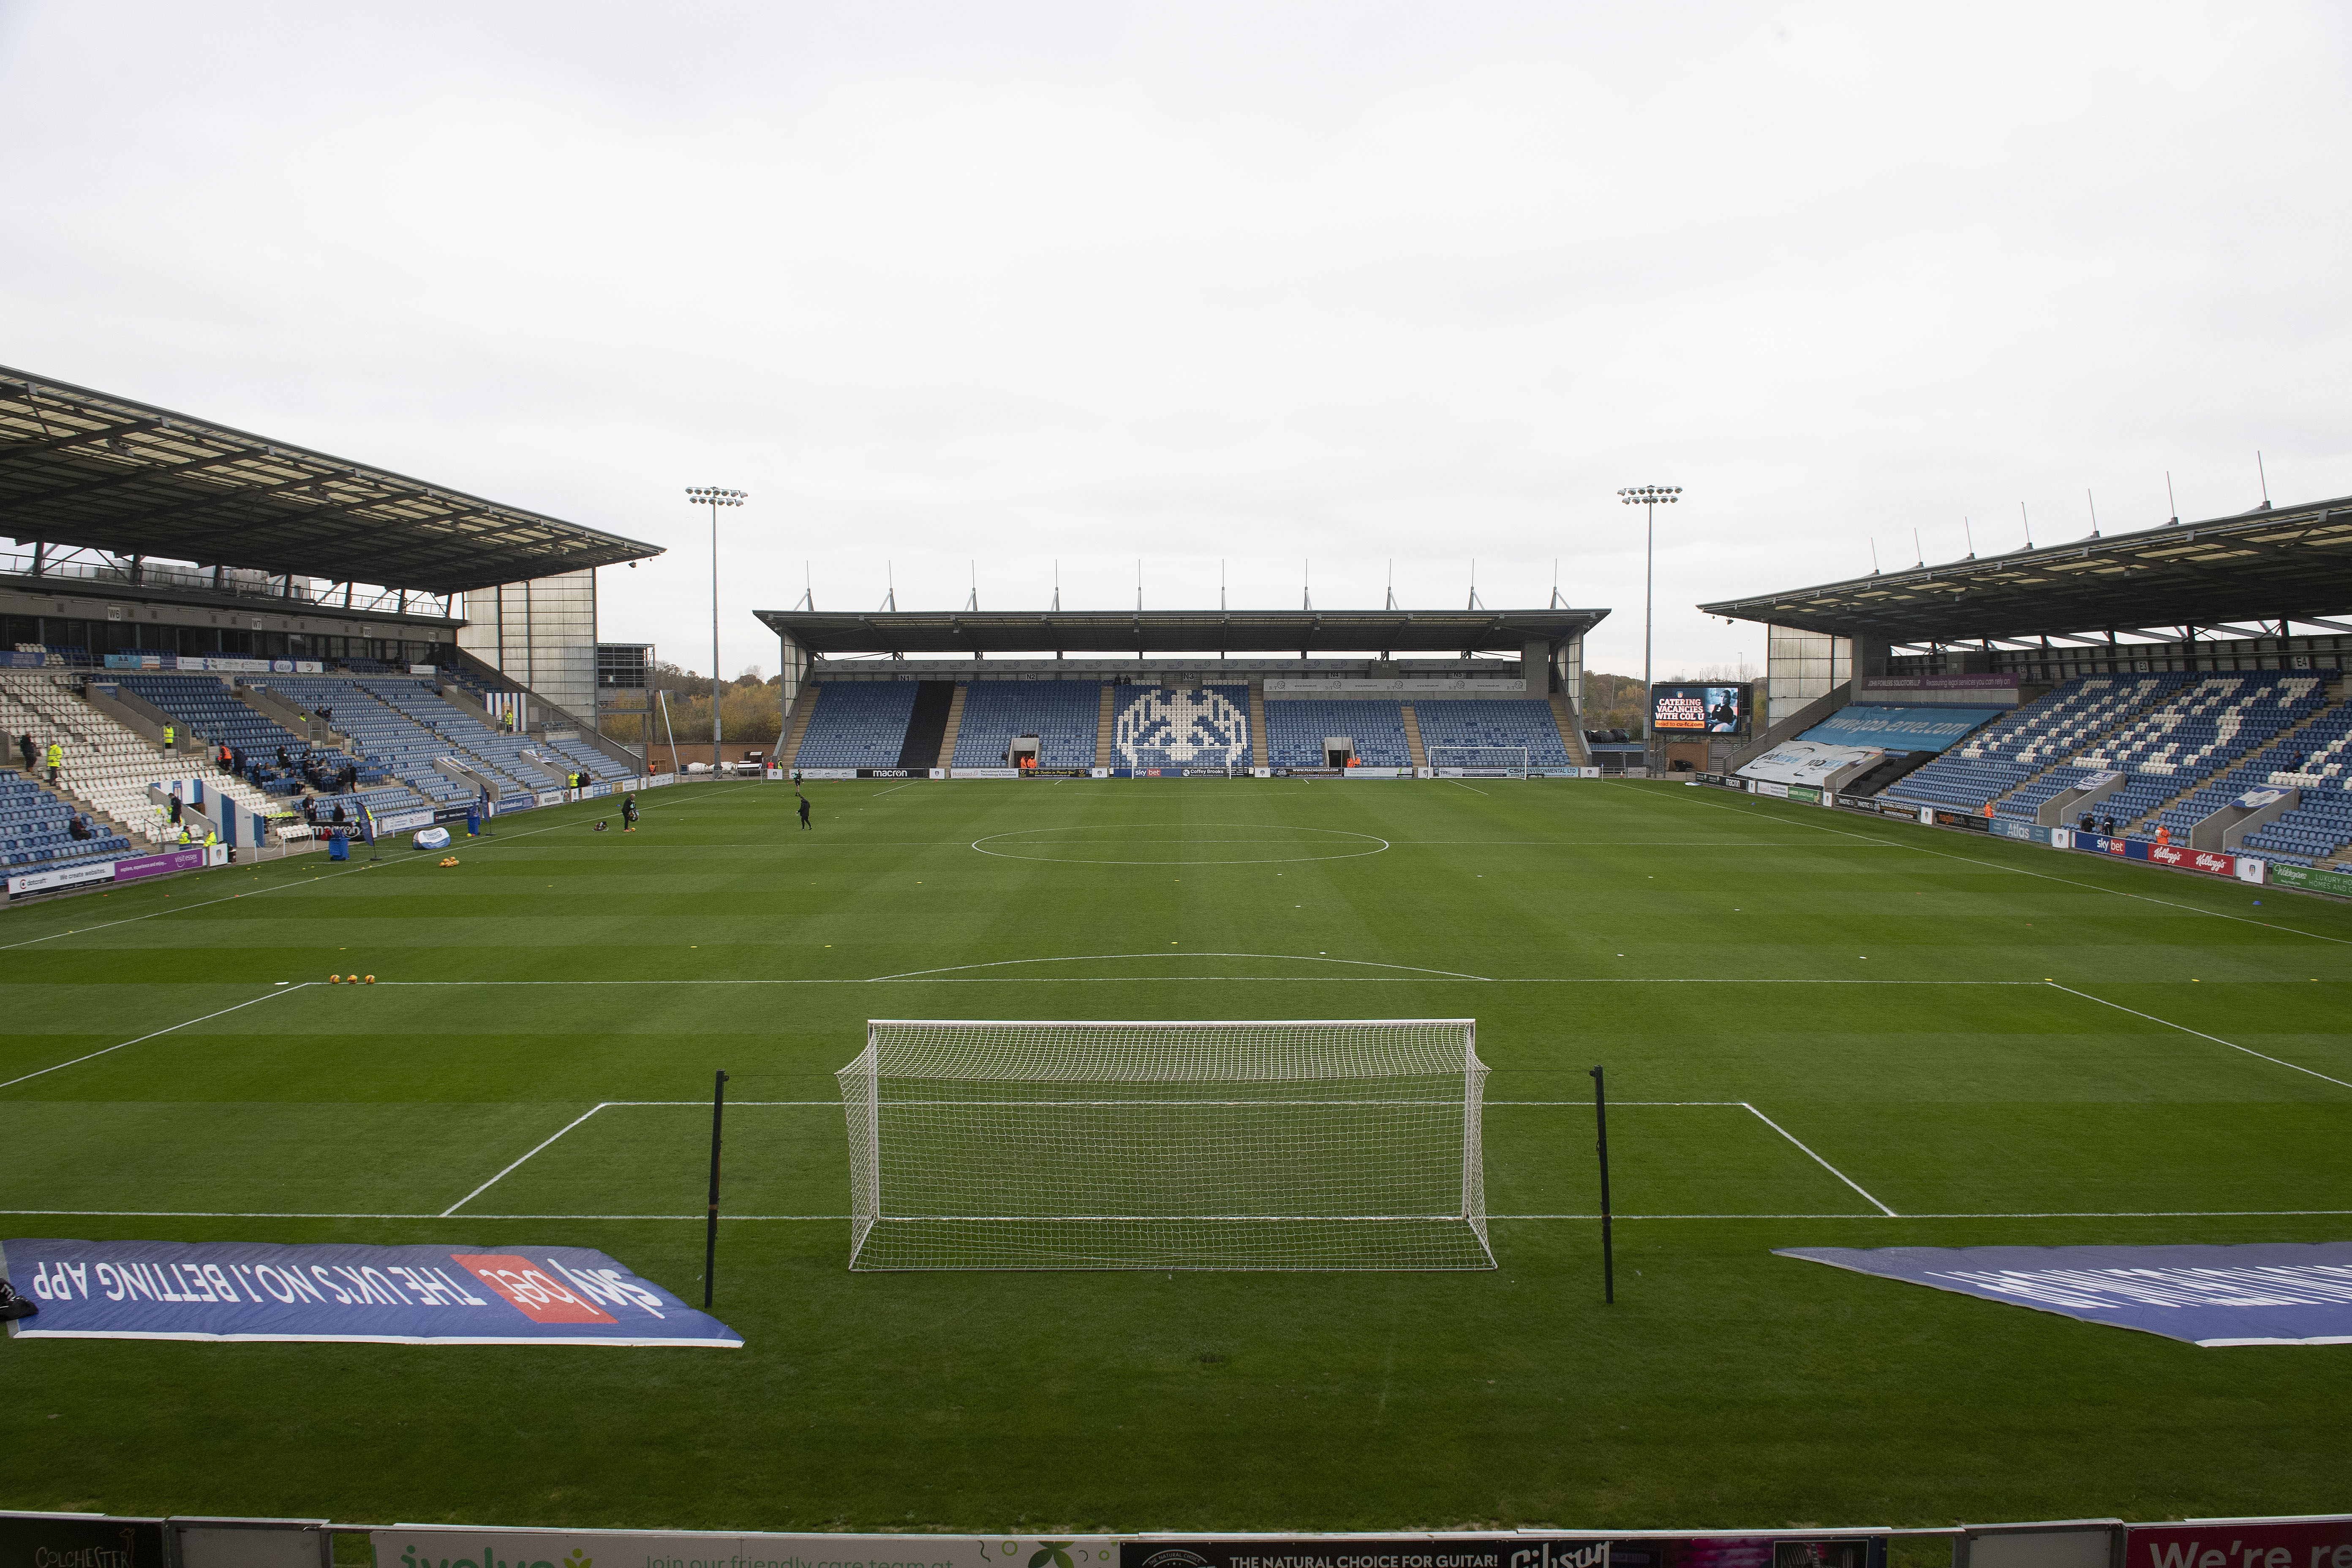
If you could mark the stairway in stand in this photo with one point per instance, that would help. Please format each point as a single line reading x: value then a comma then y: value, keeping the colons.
x: 789, y: 753
x: 1257, y: 722
x: 1412, y: 745
x: 927, y: 725
x: 1104, y: 726
x: 1571, y: 733
x: 955, y: 723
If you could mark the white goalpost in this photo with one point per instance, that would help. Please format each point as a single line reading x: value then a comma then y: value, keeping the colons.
x: 1478, y: 762
x: 1335, y: 1144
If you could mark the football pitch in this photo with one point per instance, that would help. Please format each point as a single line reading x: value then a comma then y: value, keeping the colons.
x: 1819, y: 1029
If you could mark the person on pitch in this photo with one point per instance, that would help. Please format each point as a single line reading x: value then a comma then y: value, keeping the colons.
x: 629, y: 814
x: 805, y: 808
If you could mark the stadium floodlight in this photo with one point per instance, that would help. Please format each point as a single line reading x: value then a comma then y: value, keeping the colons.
x: 714, y: 497
x: 1648, y: 497
x: 1292, y: 1144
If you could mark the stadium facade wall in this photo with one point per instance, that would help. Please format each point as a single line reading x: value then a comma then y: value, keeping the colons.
x: 2049, y: 665
x: 104, y: 619
x: 540, y: 633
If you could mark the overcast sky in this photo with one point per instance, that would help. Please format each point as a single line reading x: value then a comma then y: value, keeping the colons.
x: 1251, y: 285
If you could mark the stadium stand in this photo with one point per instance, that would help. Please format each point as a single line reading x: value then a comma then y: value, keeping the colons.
x: 106, y: 767
x: 2312, y: 761
x: 1156, y: 726
x: 584, y: 758
x: 2028, y: 740
x: 1062, y: 714
x: 1295, y: 731
x: 1496, y: 721
x: 858, y: 724
x: 207, y: 711
x: 2202, y: 731
x: 390, y: 740
x: 502, y: 754
x: 36, y: 832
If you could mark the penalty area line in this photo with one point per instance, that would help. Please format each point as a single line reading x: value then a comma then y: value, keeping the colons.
x: 511, y: 1170
x: 1824, y: 1165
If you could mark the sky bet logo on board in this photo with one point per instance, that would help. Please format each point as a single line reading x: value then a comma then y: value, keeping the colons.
x: 386, y: 1295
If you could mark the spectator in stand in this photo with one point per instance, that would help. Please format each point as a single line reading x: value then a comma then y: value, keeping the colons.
x: 227, y: 759
x: 57, y: 759
x: 284, y: 761
x: 2108, y: 827
x: 311, y: 809
x: 25, y: 748
x: 2163, y: 837
x: 339, y: 814
x: 351, y: 777
x: 2086, y: 822
x: 80, y: 828
x: 175, y: 811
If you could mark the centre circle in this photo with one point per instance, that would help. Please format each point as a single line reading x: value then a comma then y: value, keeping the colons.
x: 1179, y: 844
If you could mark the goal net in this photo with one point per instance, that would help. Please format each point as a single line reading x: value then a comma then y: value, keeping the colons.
x: 1344, y: 1144
x: 1478, y: 762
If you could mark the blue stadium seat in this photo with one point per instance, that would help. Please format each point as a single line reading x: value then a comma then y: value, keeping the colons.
x: 1062, y: 714
x: 1296, y: 730
x: 1495, y: 722
x: 857, y: 724
x: 1163, y: 727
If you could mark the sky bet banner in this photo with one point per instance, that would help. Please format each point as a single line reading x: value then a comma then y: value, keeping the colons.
x: 2262, y: 1293
x: 381, y: 1295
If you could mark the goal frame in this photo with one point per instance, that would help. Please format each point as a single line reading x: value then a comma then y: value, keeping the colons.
x: 863, y: 1114
x: 1496, y: 762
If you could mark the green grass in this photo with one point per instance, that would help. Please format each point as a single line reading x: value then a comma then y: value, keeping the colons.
x: 1890, y: 995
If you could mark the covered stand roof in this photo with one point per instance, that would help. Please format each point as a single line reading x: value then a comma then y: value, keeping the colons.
x: 2274, y: 565
x: 84, y: 468
x: 1179, y: 631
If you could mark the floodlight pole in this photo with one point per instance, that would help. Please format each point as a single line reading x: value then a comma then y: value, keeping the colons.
x: 710, y: 1234
x: 1601, y: 1126
x: 1647, y: 497
x: 704, y: 495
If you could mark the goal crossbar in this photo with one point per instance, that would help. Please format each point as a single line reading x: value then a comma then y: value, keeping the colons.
x: 1190, y: 1144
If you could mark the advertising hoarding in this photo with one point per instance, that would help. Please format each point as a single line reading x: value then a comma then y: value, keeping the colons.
x: 1916, y: 729
x: 1698, y: 710
x: 1808, y: 761
x: 1965, y: 690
